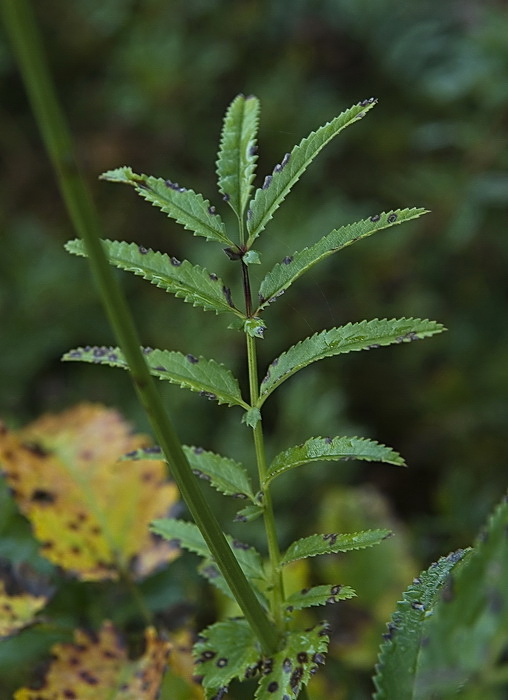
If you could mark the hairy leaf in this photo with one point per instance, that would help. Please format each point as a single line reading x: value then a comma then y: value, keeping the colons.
x: 289, y: 670
x: 293, y: 266
x: 465, y: 639
x: 364, y: 335
x: 211, y: 379
x: 190, y: 282
x: 398, y: 656
x: 277, y: 185
x: 320, y: 449
x: 237, y: 157
x: 318, y: 595
x: 18, y: 611
x: 66, y: 479
x: 185, y: 206
x: 182, y: 533
x: 98, y: 667
x: 226, y: 650
x: 332, y: 543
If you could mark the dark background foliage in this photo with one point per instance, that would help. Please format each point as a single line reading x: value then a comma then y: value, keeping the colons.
x: 146, y: 84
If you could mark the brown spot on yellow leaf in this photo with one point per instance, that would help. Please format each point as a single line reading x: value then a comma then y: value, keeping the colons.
x: 89, y: 511
x: 18, y: 611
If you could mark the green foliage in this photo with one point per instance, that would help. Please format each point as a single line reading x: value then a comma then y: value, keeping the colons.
x: 332, y: 543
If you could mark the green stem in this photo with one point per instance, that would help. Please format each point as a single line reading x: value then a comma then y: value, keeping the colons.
x: 278, y: 598
x: 25, y: 38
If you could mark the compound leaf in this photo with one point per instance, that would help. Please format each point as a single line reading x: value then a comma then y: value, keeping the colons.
x: 190, y: 282
x: 276, y: 186
x: 292, y: 267
x: 289, y: 670
x: 332, y: 543
x: 98, y: 667
x: 398, y: 655
x: 318, y: 449
x: 364, y: 335
x: 211, y: 379
x: 66, y: 478
x: 237, y: 157
x: 318, y: 595
x: 185, y: 206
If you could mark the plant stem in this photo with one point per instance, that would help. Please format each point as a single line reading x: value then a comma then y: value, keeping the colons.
x: 269, y: 518
x: 25, y: 38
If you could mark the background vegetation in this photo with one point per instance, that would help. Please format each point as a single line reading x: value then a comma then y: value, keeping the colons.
x: 146, y: 84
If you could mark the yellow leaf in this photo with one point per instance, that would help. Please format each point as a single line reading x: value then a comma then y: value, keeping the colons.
x: 89, y: 511
x: 18, y: 611
x: 98, y: 668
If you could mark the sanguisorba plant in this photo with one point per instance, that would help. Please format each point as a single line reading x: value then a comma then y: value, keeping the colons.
x: 229, y: 649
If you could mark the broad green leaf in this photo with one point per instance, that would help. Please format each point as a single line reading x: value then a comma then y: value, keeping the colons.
x: 185, y: 533
x: 226, y: 650
x: 289, y: 670
x: 285, y: 174
x: 320, y: 449
x: 255, y: 327
x: 185, y: 206
x: 237, y: 157
x: 399, y: 653
x: 211, y: 379
x: 318, y: 595
x: 293, y: 266
x: 332, y: 543
x: 190, y: 282
x: 465, y: 639
x: 364, y: 335
x: 252, y: 417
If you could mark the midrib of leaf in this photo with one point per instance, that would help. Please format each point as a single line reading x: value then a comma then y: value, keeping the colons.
x: 282, y: 275
x: 268, y: 198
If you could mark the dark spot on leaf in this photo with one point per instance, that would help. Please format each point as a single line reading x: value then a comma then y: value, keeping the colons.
x: 240, y: 518
x: 43, y: 496
x: 201, y: 475
x: 213, y: 277
x: 287, y: 260
x: 335, y: 590
x: 328, y: 440
x: 416, y: 581
x: 302, y: 657
x: 304, y: 591
x: 174, y: 186
x: 89, y: 678
x: 391, y: 218
x: 313, y: 670
x: 222, y: 662
x: 368, y: 101
x: 147, y: 351
x: 273, y: 686
x: 210, y: 571
x: 290, y: 608
x: 266, y: 183
x: 75, y: 354
x: 240, y: 545
x: 416, y: 605
x: 99, y: 352
x: 331, y: 538
x: 198, y: 450
x: 287, y: 665
x: 249, y: 214
x: 325, y: 631
x: 226, y: 197
x: 207, y: 395
x: 208, y: 655
x: 154, y: 450
x: 175, y: 262
x: 68, y: 693
x: 331, y: 599
x: 220, y: 693
x: 35, y: 449
x: 112, y: 357
x: 375, y: 218
x: 285, y: 160
x: 142, y: 250
x: 211, y: 210
x: 267, y: 667
x: 374, y: 346
x: 253, y: 150
x: 296, y: 678
x: 160, y: 368
x: 391, y: 629
x: 319, y: 658
x: 227, y: 294
x: 239, y: 495
x: 192, y: 359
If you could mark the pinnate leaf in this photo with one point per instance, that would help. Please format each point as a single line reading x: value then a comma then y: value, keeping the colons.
x: 332, y: 543
x: 399, y: 654
x: 99, y: 668
x: 185, y: 206
x: 364, y: 335
x: 318, y: 595
x: 191, y: 283
x: 277, y: 185
x: 211, y: 379
x: 290, y: 669
x: 237, y: 157
x: 89, y: 511
x: 293, y: 266
x: 18, y: 611
x: 320, y: 449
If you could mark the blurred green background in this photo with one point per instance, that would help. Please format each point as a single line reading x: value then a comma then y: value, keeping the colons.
x: 146, y: 84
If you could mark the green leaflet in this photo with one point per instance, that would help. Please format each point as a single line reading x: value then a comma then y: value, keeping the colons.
x: 364, y: 335
x: 290, y: 669
x: 277, y: 185
x: 319, y: 449
x: 285, y: 273
x: 466, y: 635
x: 211, y: 379
x: 187, y: 207
x: 249, y: 513
x: 224, y: 474
x: 318, y: 595
x: 190, y: 282
x: 186, y: 534
x: 236, y: 161
x: 399, y: 654
x: 332, y: 543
